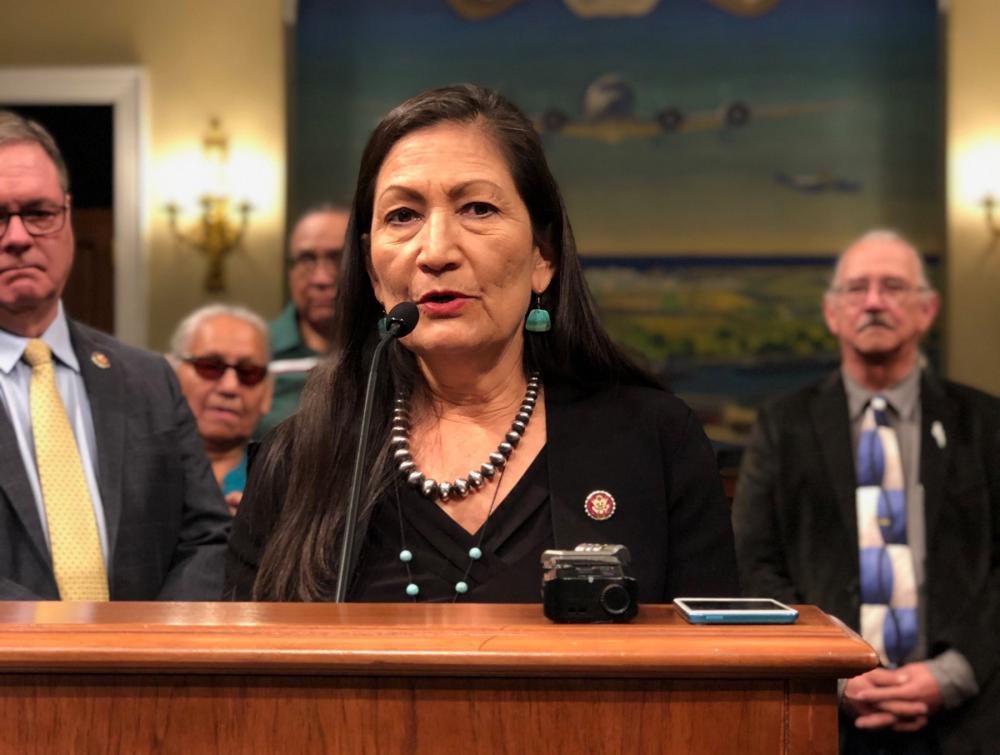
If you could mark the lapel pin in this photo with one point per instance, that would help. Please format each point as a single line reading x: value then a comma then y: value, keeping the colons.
x: 937, y: 431
x: 100, y: 359
x: 600, y: 505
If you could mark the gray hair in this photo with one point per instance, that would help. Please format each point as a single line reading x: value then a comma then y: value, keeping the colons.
x: 180, y: 342
x: 16, y: 129
x: 886, y: 235
x: 320, y: 208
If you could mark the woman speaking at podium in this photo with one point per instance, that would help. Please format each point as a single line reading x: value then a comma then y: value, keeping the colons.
x: 504, y: 424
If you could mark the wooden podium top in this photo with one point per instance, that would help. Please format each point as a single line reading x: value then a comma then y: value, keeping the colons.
x: 405, y: 639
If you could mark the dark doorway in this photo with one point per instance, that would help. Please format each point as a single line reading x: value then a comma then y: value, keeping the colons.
x: 85, y: 134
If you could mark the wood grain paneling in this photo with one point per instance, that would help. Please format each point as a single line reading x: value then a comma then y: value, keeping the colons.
x: 90, y: 291
x: 254, y: 714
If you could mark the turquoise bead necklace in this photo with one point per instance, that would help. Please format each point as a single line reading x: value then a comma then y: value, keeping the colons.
x: 400, y: 443
x: 475, y: 552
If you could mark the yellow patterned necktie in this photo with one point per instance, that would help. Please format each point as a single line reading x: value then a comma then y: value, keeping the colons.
x: 76, y: 548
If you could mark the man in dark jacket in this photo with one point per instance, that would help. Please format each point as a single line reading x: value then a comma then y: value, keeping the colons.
x: 875, y: 494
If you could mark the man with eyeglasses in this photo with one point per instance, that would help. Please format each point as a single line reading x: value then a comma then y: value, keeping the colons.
x: 304, y: 331
x: 105, y: 491
x: 221, y: 353
x: 875, y: 494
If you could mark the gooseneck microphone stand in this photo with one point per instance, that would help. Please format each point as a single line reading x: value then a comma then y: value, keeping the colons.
x: 400, y: 321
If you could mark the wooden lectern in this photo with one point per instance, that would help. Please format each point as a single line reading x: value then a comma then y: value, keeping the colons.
x: 192, y: 678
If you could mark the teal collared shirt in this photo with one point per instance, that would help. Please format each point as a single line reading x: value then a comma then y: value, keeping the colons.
x: 286, y: 340
x: 236, y: 478
x: 15, y: 384
x: 290, y: 365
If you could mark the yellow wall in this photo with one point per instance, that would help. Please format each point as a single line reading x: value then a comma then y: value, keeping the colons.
x: 972, y: 294
x: 220, y: 58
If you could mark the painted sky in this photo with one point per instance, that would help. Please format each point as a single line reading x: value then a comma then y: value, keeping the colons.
x: 844, y: 99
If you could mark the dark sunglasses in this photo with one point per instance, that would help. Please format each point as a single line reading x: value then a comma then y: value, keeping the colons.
x: 213, y: 368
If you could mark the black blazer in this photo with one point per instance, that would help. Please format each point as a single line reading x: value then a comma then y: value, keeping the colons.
x: 796, y: 526
x: 642, y: 445
x: 167, y: 523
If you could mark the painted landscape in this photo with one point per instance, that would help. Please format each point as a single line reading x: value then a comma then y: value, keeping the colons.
x: 714, y: 155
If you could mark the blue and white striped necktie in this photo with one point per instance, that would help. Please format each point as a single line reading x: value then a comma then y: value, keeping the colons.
x: 888, y: 585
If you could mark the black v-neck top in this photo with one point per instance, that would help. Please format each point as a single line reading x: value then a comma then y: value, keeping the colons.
x: 511, y: 540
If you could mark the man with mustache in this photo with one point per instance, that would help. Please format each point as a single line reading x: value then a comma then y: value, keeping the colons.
x: 875, y: 494
x: 105, y: 491
x: 304, y: 330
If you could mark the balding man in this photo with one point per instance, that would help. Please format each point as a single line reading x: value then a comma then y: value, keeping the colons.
x: 304, y: 331
x: 875, y: 494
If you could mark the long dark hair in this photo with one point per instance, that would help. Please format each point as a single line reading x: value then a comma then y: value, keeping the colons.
x: 317, y: 445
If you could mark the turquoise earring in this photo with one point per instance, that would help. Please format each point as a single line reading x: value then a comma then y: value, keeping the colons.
x: 538, y: 318
x: 383, y: 324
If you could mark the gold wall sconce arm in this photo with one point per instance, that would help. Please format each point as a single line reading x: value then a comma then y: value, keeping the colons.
x: 221, y: 225
x: 989, y: 206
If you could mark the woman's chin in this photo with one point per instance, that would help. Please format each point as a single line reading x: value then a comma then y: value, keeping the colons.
x: 456, y: 344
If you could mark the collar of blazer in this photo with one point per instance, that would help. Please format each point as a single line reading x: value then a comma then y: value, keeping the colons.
x: 937, y: 410
x: 16, y: 488
x: 105, y: 383
x: 596, y: 441
x: 831, y: 422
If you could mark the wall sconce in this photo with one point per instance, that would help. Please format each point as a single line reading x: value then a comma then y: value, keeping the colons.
x: 220, y: 228
x: 989, y: 205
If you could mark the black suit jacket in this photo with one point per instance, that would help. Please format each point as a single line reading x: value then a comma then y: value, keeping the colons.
x: 796, y: 526
x: 167, y: 524
x: 642, y: 445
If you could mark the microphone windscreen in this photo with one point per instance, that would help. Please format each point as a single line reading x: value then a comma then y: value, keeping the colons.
x: 404, y: 316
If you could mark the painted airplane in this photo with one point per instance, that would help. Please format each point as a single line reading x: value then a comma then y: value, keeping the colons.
x: 822, y: 182
x: 609, y: 105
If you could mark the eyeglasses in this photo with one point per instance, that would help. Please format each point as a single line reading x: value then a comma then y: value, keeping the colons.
x: 38, y: 221
x: 213, y: 368
x: 892, y: 290
x: 307, y: 262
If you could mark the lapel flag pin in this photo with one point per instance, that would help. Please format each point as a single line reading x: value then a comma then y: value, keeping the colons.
x: 600, y: 505
x: 100, y: 359
x: 937, y: 431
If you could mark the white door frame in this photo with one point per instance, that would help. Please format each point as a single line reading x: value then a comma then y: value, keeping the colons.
x: 124, y: 89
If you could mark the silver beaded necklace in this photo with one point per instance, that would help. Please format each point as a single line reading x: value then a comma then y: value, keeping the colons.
x: 430, y: 488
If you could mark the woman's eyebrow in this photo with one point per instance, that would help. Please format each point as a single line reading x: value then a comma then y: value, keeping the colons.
x: 466, y: 187
x: 404, y: 192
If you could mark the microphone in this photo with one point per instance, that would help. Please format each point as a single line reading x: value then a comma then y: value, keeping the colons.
x: 403, y: 317
x: 400, y: 321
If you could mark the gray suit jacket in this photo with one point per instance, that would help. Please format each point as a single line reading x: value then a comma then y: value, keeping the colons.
x: 166, y: 521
